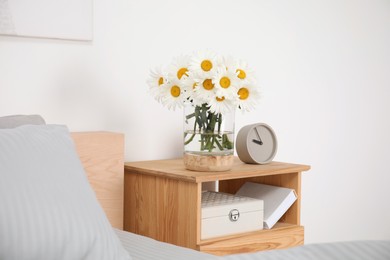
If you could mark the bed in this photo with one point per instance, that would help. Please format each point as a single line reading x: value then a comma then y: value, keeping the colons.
x: 143, y: 248
x: 61, y: 197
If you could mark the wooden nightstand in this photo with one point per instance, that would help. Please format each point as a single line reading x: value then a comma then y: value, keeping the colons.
x: 163, y: 201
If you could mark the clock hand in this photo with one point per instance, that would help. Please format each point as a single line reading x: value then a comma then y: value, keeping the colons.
x: 257, y: 142
x: 258, y: 136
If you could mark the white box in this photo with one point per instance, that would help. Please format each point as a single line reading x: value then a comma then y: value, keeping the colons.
x: 226, y: 214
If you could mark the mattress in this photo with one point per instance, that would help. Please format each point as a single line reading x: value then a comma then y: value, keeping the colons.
x: 144, y: 248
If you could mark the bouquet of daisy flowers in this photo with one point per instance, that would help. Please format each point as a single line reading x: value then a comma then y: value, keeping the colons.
x: 212, y: 86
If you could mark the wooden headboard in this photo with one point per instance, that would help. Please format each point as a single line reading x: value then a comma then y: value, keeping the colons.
x: 102, y: 155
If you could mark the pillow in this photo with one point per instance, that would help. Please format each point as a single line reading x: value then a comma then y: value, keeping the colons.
x: 48, y: 210
x: 18, y: 120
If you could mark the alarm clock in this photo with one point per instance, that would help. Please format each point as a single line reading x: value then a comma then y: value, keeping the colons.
x: 256, y: 144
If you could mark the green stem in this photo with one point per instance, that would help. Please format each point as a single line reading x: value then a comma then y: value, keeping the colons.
x: 219, y: 145
x: 190, y: 116
x: 219, y: 122
x: 209, y: 126
x: 190, y: 139
x: 226, y: 142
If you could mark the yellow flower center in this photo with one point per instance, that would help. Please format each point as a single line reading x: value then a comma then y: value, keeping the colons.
x: 241, y: 74
x: 160, y: 81
x: 207, y: 84
x: 220, y: 99
x: 224, y: 82
x: 175, y: 91
x: 243, y: 93
x: 181, y: 72
x: 206, y: 65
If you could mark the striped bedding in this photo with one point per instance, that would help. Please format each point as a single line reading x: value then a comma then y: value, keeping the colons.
x: 143, y: 248
x: 353, y: 250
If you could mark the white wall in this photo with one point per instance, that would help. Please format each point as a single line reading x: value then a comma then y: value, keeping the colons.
x: 323, y: 67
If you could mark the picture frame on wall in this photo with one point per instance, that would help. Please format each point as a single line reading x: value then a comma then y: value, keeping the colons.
x: 54, y: 19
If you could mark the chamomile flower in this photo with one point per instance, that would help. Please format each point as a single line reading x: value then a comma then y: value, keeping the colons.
x: 204, y: 90
x: 204, y: 63
x: 248, y: 95
x: 189, y: 85
x: 214, y: 86
x: 158, y: 78
x: 244, y: 72
x: 220, y: 105
x: 229, y: 63
x: 222, y: 83
x: 179, y: 68
x: 173, y: 95
x: 225, y: 82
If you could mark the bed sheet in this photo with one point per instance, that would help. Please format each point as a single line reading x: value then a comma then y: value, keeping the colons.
x: 144, y: 248
x: 351, y: 250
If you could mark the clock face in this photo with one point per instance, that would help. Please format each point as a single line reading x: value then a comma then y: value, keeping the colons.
x: 261, y: 143
x: 256, y: 144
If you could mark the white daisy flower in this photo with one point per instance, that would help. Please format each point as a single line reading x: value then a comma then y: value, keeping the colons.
x: 222, y: 83
x: 158, y: 78
x: 248, y: 95
x: 179, y: 69
x: 204, y: 90
x: 204, y: 63
x: 173, y: 95
x: 220, y: 105
x: 189, y: 85
x: 229, y: 63
x: 226, y: 83
x: 244, y: 72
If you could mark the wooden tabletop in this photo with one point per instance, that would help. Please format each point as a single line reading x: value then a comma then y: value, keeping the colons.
x: 174, y: 168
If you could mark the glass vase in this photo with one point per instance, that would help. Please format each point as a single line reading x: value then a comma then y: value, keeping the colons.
x: 208, y: 139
